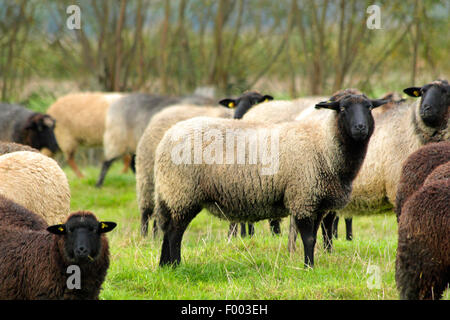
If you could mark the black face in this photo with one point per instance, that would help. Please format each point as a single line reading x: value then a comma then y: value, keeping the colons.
x: 434, y: 103
x: 82, y: 237
x: 244, y: 103
x: 355, y: 114
x: 41, y: 133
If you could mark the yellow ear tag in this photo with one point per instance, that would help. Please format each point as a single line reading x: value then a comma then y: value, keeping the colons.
x: 416, y: 93
x: 265, y: 100
x: 61, y: 229
x: 104, y: 225
x: 231, y: 105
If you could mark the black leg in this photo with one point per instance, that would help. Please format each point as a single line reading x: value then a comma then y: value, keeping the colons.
x: 327, y: 230
x: 349, y: 228
x: 155, y: 229
x: 243, y: 231
x: 335, y: 227
x: 232, y: 231
x: 308, y: 231
x: 251, y: 229
x: 144, y: 223
x: 133, y: 163
x: 275, y: 227
x: 105, y: 167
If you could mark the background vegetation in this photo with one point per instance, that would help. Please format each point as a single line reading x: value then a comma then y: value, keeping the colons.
x: 288, y: 47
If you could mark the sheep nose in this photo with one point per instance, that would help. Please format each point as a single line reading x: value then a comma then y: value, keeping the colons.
x: 360, y: 127
x: 81, y: 251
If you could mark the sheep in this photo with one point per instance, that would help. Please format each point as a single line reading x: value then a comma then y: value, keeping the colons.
x: 36, y: 182
x: 18, y: 124
x: 311, y: 165
x: 17, y: 216
x: 422, y: 268
x: 417, y: 167
x: 155, y: 130
x: 34, y: 262
x: 399, y: 132
x: 8, y: 147
x: 80, y: 120
x: 126, y: 121
x: 442, y: 172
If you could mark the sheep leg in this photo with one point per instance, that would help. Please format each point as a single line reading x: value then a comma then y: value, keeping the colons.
x: 126, y: 163
x: 133, y: 163
x: 292, y: 235
x: 308, y: 231
x: 327, y: 230
x: 243, y: 230
x: 335, y: 227
x: 105, y: 167
x: 275, y: 227
x: 251, y: 229
x: 155, y: 229
x: 73, y: 165
x: 232, y: 231
x: 173, y: 235
x: 145, y: 216
x: 349, y: 229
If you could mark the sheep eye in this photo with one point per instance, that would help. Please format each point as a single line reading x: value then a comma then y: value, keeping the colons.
x: 342, y: 109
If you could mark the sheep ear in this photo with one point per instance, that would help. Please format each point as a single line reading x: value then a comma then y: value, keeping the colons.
x: 229, y: 103
x: 413, y: 91
x: 106, y: 226
x: 266, y: 98
x: 333, y: 105
x: 59, y: 229
x: 379, y: 102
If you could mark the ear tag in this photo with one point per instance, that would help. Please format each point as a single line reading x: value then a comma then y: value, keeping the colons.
x: 104, y: 225
x: 61, y: 229
x: 231, y: 105
x: 265, y: 100
x: 416, y: 93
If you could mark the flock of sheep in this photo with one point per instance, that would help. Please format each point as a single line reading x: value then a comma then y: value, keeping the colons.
x: 343, y: 155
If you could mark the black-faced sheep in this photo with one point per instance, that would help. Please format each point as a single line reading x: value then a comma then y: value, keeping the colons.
x: 416, y: 169
x: 303, y: 168
x: 423, y: 251
x: 399, y: 132
x: 126, y: 121
x: 80, y: 120
x: 18, y: 124
x: 36, y: 182
x: 34, y: 264
x: 159, y: 124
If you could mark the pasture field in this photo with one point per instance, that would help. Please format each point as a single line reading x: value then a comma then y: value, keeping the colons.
x: 214, y: 267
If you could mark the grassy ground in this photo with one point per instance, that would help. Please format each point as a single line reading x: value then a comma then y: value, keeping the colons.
x: 214, y: 267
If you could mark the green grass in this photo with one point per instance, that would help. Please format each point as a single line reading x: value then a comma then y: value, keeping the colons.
x: 213, y: 267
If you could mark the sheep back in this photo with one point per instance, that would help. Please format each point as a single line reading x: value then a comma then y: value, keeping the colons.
x: 80, y: 118
x: 37, y: 183
x: 145, y: 152
x: 417, y: 167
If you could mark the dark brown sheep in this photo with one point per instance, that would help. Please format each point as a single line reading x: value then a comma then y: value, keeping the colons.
x: 34, y: 264
x: 14, y: 215
x: 8, y: 147
x: 440, y: 173
x: 417, y: 167
x: 423, y: 252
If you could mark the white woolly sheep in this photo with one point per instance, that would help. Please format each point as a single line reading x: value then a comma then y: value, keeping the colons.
x: 155, y: 130
x: 307, y: 170
x: 80, y: 120
x: 36, y: 182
